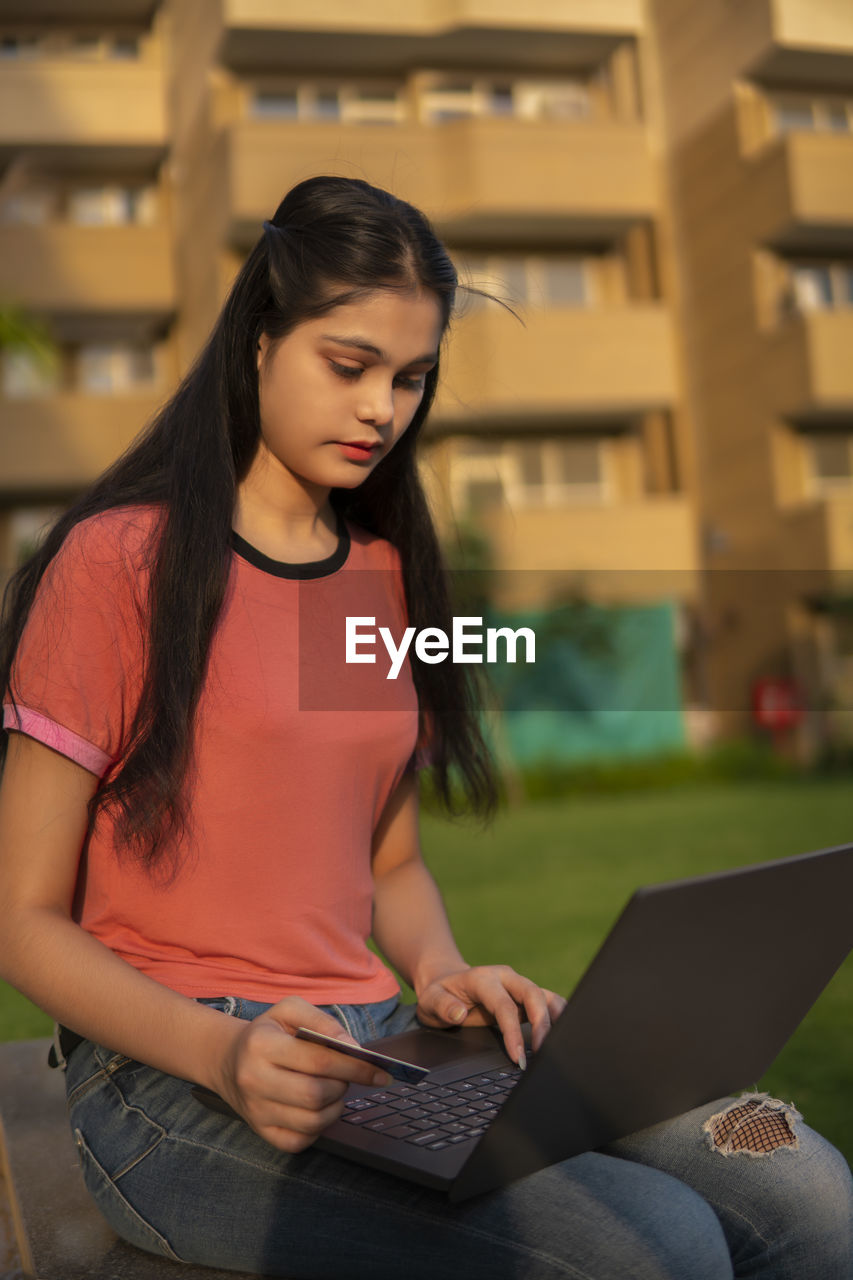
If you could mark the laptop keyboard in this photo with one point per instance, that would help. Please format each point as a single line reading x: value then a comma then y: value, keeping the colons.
x: 434, y: 1116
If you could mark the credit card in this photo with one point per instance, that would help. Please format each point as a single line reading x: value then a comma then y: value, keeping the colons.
x: 406, y: 1072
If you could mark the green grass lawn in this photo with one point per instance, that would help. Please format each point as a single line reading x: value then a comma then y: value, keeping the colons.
x: 540, y: 888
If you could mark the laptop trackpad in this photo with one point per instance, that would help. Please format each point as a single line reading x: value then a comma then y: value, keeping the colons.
x: 433, y: 1048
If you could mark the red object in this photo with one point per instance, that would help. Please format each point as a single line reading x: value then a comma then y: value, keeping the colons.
x: 776, y: 704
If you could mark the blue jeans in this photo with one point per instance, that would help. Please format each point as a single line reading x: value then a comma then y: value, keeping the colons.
x: 190, y: 1184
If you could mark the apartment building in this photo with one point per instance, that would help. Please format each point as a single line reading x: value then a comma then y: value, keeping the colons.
x: 758, y: 98
x: 657, y: 188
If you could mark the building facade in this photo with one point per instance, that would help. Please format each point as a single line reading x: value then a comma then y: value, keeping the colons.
x: 662, y: 190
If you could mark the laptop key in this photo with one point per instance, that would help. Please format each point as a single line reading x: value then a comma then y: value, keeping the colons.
x: 362, y: 1117
x: 424, y: 1139
x: 400, y: 1131
x: 438, y: 1146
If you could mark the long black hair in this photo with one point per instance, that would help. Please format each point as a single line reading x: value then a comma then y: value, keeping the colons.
x: 331, y: 241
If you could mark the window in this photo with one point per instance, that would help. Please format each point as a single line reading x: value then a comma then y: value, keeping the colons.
x: 124, y: 47
x: 821, y: 285
x: 542, y: 472
x: 31, y: 208
x: 791, y: 112
x: 552, y: 100
x: 461, y: 97
x: 112, y: 206
x: 831, y: 461
x: 552, y: 280
x: 350, y: 103
x: 113, y: 370
x: 27, y: 375
x: 269, y: 104
x: 19, y: 47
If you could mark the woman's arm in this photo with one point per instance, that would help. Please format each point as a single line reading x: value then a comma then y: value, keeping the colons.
x: 287, y: 1089
x: 411, y: 928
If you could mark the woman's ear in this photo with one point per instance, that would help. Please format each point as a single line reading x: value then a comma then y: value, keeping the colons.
x: 263, y: 347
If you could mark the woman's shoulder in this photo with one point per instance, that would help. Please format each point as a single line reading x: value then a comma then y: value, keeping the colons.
x: 118, y: 535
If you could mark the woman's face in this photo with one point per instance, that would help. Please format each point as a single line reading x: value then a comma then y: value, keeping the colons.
x: 337, y: 392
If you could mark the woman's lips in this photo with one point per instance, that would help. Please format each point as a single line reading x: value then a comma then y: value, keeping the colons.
x: 357, y: 451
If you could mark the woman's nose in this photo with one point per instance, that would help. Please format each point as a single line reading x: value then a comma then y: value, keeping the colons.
x: 377, y: 403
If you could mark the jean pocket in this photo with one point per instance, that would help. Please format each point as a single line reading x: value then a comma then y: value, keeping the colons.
x: 124, y: 1218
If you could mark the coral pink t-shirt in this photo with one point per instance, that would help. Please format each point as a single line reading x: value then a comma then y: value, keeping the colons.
x: 295, y: 754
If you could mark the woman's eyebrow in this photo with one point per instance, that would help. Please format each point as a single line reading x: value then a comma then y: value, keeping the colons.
x: 361, y: 344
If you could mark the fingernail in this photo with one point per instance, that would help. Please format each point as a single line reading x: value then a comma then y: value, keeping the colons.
x: 458, y: 1014
x: 522, y: 1059
x: 381, y: 1077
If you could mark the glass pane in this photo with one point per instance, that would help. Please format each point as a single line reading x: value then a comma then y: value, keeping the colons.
x: 565, y: 281
x: 25, y: 374
x: 529, y: 456
x: 27, y: 208
x: 812, y: 287
x: 793, y: 113
x: 501, y: 100
x: 512, y: 273
x: 280, y: 105
x: 564, y: 101
x: 831, y: 457
x: 95, y: 369
x: 125, y: 47
x: 846, y: 272
x: 326, y: 105
x: 86, y: 46
x: 836, y: 116
x: 578, y: 462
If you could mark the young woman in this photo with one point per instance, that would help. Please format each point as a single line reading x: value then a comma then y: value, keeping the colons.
x: 199, y: 830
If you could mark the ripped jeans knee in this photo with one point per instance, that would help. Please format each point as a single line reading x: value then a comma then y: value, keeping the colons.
x: 753, y: 1125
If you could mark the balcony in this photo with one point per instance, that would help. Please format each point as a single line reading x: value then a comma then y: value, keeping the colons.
x: 479, y: 179
x: 636, y: 551
x: 808, y: 371
x: 818, y: 544
x: 801, y: 192
x: 280, y: 35
x: 111, y: 113
x: 605, y: 366
x: 63, y: 270
x: 56, y: 444
x: 798, y: 42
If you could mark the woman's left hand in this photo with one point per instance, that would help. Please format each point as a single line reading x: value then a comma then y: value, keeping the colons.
x: 491, y: 994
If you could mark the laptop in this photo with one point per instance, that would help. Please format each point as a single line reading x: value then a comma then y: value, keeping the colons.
x: 696, y: 988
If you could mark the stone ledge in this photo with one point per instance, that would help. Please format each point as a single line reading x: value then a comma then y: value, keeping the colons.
x: 59, y: 1233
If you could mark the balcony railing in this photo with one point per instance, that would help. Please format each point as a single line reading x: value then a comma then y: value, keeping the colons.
x: 641, y: 550
x: 488, y: 178
x: 561, y: 363
x: 53, y: 102
x: 801, y: 192
x: 64, y: 268
x: 809, y: 373
x: 59, y: 443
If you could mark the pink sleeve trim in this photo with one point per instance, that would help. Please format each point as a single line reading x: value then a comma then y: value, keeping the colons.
x: 54, y: 735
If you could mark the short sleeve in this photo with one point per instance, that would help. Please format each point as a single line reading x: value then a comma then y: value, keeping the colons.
x: 77, y: 674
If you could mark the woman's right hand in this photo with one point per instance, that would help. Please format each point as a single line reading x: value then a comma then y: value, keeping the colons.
x: 289, y: 1090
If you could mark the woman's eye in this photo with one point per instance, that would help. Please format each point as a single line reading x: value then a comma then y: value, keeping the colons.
x: 410, y: 384
x: 346, y: 370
